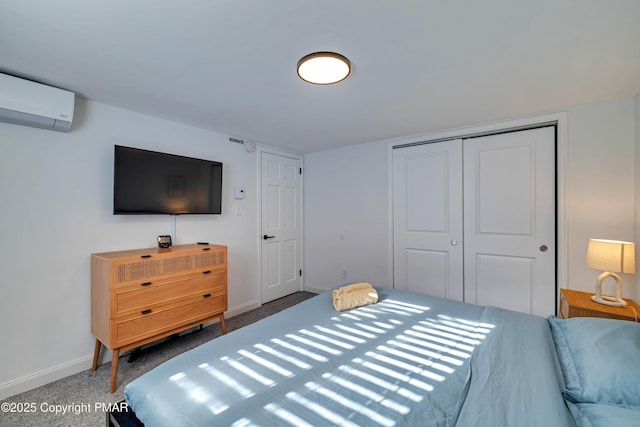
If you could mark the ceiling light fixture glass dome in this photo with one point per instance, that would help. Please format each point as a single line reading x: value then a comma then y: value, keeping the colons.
x: 324, y: 68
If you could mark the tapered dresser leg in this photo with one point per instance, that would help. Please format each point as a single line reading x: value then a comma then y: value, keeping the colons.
x: 96, y: 355
x: 114, y: 369
x: 223, y: 324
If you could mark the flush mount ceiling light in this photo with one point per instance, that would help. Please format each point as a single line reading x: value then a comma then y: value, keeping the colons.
x: 324, y: 68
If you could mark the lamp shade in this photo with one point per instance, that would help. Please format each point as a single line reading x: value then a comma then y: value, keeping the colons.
x: 611, y: 255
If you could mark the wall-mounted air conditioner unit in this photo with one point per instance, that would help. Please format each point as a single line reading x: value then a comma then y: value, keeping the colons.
x: 23, y: 102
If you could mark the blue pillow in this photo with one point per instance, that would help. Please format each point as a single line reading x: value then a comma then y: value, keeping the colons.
x: 600, y: 360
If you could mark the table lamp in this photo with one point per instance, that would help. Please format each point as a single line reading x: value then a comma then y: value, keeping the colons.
x: 612, y: 256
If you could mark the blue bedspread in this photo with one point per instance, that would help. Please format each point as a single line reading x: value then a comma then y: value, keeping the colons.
x: 405, y: 361
x: 516, y: 379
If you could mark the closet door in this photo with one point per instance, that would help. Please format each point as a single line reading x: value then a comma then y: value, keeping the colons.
x: 501, y: 188
x: 428, y: 219
x: 509, y: 221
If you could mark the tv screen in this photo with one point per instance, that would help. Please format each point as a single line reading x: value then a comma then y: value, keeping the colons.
x: 148, y: 182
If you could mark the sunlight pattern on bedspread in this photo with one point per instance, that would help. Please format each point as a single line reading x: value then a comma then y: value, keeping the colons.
x: 403, y: 361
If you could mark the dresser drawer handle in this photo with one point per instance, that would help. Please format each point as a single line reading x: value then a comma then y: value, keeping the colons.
x: 145, y: 256
x: 146, y: 311
x: 206, y: 272
x: 206, y: 249
x: 145, y: 284
x: 206, y: 295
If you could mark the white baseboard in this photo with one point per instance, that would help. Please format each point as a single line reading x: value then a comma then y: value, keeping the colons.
x: 243, y: 308
x: 40, y: 378
x: 37, y: 379
x: 315, y: 288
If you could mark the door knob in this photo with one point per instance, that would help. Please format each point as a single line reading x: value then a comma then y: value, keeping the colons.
x: 544, y: 248
x: 265, y: 237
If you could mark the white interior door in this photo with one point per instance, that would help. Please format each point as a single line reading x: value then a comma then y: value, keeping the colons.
x: 427, y: 219
x: 474, y: 220
x: 281, y: 228
x: 509, y: 221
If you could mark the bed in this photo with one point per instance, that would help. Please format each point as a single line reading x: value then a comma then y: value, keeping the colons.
x: 408, y: 360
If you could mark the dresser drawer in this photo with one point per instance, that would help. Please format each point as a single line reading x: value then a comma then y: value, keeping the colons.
x: 163, y: 292
x: 131, y: 270
x: 131, y: 329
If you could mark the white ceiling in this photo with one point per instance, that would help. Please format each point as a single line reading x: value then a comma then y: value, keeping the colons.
x: 418, y: 65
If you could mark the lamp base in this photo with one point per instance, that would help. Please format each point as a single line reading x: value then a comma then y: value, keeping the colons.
x: 607, y: 300
x: 616, y: 301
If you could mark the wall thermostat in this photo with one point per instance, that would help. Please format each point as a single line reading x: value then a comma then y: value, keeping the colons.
x: 164, y: 241
x: 238, y: 192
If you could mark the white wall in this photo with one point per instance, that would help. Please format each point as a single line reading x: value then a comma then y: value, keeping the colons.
x: 56, y: 192
x: 600, y: 186
x: 637, y: 193
x: 346, y: 192
x: 346, y: 216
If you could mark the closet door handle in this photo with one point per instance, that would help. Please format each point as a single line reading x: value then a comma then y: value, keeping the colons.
x: 265, y: 237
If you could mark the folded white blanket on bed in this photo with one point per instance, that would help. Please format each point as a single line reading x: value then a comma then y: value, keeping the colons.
x: 355, y: 295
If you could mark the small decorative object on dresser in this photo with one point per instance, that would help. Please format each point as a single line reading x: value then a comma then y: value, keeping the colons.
x: 164, y: 241
x: 139, y: 296
x: 580, y: 304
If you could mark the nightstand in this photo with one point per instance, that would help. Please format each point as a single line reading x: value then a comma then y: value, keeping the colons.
x: 579, y: 304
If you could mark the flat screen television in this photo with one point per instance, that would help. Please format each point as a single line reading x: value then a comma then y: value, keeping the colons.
x: 148, y: 182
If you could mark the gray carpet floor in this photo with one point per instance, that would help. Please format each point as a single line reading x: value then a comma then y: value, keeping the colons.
x: 85, y: 396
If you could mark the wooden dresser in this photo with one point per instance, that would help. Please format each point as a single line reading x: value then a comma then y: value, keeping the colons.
x: 139, y: 296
